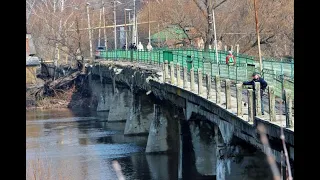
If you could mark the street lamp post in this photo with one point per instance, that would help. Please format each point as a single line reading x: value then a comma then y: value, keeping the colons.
x: 149, y: 22
x: 115, y: 22
x: 90, y: 33
x: 125, y: 25
x: 215, y: 35
x: 149, y: 47
x: 257, y: 30
x: 135, y: 29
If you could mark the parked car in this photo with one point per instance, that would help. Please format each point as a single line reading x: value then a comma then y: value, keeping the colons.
x: 98, y: 51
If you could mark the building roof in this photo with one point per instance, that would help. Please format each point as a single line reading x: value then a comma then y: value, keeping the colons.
x: 172, y: 32
x: 32, y: 61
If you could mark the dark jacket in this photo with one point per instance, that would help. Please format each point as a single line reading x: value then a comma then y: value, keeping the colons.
x: 263, y: 83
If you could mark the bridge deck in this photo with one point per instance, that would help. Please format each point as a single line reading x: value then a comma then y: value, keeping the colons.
x: 280, y: 117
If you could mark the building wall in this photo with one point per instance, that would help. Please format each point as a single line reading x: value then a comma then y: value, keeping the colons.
x: 31, y: 76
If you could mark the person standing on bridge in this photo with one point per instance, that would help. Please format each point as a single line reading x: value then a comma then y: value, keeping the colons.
x: 263, y: 85
x: 230, y: 60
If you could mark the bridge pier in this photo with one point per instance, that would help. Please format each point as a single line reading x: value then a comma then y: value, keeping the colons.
x: 204, y: 146
x: 164, y: 131
x: 187, y: 169
x: 120, y: 105
x: 221, y: 167
x: 105, y: 97
x: 141, y: 112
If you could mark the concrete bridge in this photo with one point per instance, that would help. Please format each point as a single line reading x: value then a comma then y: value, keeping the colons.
x: 158, y: 100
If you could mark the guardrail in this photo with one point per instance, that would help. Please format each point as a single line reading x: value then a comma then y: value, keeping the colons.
x: 280, y: 75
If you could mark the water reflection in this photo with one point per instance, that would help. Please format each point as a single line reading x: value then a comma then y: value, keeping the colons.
x: 82, y: 145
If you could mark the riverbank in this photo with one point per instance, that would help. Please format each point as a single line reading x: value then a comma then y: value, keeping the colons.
x: 72, y: 94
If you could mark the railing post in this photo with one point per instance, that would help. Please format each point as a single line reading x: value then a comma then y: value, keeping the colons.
x: 178, y: 75
x: 225, y: 48
x: 272, y: 112
x: 166, y: 71
x: 237, y: 49
x: 250, y: 105
x: 288, y: 105
x: 228, y: 94
x: 191, y: 79
x: 239, y: 99
x: 199, y: 81
x: 163, y: 72
x: 208, y: 83
x: 218, y: 89
x: 185, y: 78
x: 172, y: 73
x: 257, y: 98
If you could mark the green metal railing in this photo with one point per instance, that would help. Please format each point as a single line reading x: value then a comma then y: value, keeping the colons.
x: 278, y: 74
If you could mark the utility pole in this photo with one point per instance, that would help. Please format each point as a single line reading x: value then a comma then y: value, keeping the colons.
x: 104, y: 29
x: 99, y: 40
x: 215, y: 36
x: 125, y: 25
x: 135, y: 23
x: 158, y: 35
x: 115, y: 23
x: 125, y: 28
x: 89, y: 31
x: 257, y: 30
x: 129, y: 27
x: 149, y: 22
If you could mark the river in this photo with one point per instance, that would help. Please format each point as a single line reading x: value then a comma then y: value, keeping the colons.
x: 82, y: 145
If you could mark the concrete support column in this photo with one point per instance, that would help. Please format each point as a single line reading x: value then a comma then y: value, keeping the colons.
x: 250, y: 105
x: 178, y: 75
x: 120, y: 105
x: 199, y: 82
x: 141, y: 112
x: 185, y: 78
x: 272, y: 101
x: 191, y: 79
x: 164, y: 137
x: 228, y: 94
x: 288, y: 96
x: 172, y: 73
x: 220, y: 154
x: 157, y: 141
x: 166, y: 71
x: 218, y: 89
x: 239, y: 99
x: 208, y: 83
x: 105, y: 97
x: 257, y: 98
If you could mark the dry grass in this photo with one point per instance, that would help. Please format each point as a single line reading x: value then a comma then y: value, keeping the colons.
x: 61, y: 99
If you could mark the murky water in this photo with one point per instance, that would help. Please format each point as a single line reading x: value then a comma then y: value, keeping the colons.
x: 64, y: 144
